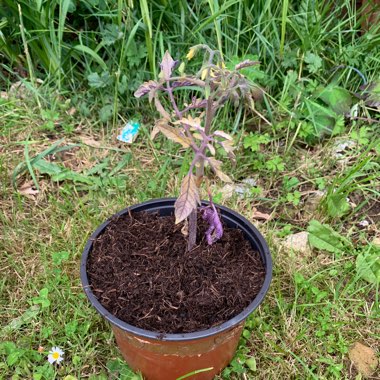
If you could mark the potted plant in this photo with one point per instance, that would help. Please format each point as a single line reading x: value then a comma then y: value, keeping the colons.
x: 177, y: 278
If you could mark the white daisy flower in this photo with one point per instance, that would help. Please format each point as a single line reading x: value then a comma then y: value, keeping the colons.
x: 55, y: 355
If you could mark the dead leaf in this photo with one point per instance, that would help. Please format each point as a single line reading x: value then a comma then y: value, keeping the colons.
x: 364, y: 359
x: 211, y: 149
x: 194, y: 123
x: 90, y: 141
x: 28, y: 189
x: 160, y: 108
x: 72, y: 111
x: 188, y: 199
x: 175, y: 134
x: 215, y: 165
x: 154, y: 132
x: 223, y: 135
x: 260, y: 215
x: 185, y: 228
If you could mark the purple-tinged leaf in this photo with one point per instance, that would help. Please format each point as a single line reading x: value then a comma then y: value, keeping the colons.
x: 211, y: 216
x: 188, y: 199
x: 145, y: 88
x: 185, y: 82
x: 246, y: 63
x: 167, y: 66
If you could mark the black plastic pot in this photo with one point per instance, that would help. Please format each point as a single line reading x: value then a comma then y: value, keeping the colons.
x: 169, y: 356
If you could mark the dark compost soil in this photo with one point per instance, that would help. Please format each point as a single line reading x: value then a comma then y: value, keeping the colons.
x: 140, y: 271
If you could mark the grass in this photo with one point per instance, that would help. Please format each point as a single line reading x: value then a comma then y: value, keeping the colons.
x: 317, y: 307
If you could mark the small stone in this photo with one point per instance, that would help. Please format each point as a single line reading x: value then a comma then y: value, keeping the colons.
x: 298, y: 242
x: 341, y: 147
x: 376, y: 241
x: 364, y: 359
x: 313, y: 200
x: 250, y: 182
x: 227, y: 191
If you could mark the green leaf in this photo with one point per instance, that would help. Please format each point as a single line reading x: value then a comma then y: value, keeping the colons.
x: 368, y: 266
x: 314, y: 62
x: 251, y: 363
x: 72, y: 176
x: 99, y: 81
x: 336, y: 98
x: 337, y: 205
x: 111, y: 34
x: 42, y: 299
x: 323, y: 237
x: 93, y: 54
x: 46, y: 167
x: 23, y: 319
x: 105, y: 113
x: 14, y: 357
x: 59, y: 257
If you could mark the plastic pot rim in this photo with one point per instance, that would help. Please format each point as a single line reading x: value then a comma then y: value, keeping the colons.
x: 265, y: 255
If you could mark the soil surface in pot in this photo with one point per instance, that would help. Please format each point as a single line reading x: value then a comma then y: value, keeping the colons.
x: 141, y: 272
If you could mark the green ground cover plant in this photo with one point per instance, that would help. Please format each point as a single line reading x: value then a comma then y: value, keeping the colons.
x: 307, y: 154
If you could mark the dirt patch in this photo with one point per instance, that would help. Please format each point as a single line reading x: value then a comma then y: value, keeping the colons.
x: 140, y: 271
x: 364, y: 359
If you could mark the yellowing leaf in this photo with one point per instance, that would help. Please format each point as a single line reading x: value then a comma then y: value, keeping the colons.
x: 224, y: 135
x: 173, y: 134
x: 190, y: 121
x: 188, y: 199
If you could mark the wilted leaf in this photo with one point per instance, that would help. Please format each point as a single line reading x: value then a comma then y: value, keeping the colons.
x: 167, y: 65
x: 28, y: 189
x: 154, y: 132
x: 90, y: 141
x: 190, y: 121
x: 372, y: 94
x: 260, y: 215
x: 160, y: 108
x: 211, y: 149
x: 224, y: 135
x: 173, y: 134
x: 322, y: 236
x: 188, y: 199
x: 215, y: 165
